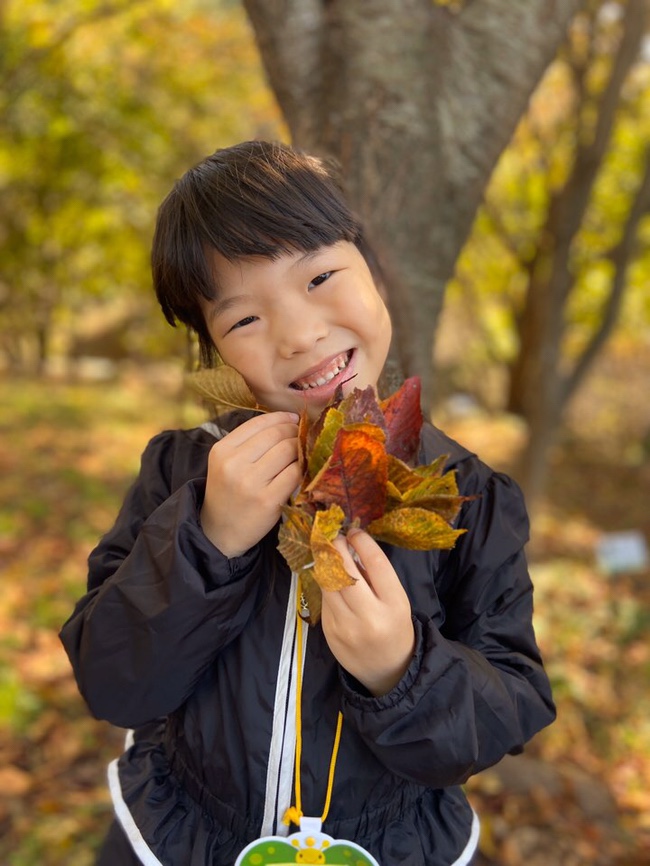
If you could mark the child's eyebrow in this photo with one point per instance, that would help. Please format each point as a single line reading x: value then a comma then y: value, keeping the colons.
x: 225, y: 304
x: 307, y: 257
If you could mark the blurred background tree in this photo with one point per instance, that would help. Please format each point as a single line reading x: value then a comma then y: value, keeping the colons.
x: 562, y: 239
x: 102, y: 105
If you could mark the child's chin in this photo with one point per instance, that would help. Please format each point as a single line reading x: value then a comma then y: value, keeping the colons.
x: 311, y: 404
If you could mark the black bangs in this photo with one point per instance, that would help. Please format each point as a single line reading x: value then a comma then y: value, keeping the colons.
x: 254, y: 199
x: 279, y: 203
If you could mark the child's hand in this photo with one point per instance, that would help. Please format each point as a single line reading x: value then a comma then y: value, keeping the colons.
x: 251, y: 474
x: 368, y: 625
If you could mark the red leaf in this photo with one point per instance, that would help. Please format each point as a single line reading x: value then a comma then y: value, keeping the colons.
x: 403, y: 416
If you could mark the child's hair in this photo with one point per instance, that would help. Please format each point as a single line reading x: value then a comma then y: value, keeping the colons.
x: 256, y: 198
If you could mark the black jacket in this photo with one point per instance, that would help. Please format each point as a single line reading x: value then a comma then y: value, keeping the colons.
x: 193, y: 651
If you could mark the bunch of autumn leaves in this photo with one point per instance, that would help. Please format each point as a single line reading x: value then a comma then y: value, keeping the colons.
x: 357, y: 460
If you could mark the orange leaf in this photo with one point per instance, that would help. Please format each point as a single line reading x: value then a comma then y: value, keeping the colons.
x: 354, y: 477
x: 355, y: 460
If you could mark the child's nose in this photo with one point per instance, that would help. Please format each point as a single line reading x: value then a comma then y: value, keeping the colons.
x: 298, y: 331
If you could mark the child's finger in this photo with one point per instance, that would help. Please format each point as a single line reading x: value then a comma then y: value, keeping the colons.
x: 276, y: 459
x: 254, y: 436
x: 378, y: 571
x: 359, y: 594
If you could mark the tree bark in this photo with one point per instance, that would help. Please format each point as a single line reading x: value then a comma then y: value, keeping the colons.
x: 416, y: 103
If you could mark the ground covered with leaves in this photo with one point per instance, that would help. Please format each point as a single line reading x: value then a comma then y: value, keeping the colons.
x: 579, y: 795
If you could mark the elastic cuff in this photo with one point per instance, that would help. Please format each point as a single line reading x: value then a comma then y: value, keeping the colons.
x: 359, y: 698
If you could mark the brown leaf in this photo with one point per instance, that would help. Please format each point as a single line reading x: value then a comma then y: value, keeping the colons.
x: 224, y: 388
x: 303, y: 440
x: 313, y: 595
x: 294, y: 538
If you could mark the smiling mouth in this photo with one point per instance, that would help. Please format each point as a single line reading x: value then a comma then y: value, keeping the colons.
x: 322, y: 377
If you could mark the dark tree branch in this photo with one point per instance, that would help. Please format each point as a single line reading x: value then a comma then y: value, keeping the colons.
x: 620, y: 256
x: 570, y: 205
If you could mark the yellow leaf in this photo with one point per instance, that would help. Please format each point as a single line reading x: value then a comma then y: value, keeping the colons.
x: 332, y: 423
x: 414, y: 528
x: 435, y: 486
x: 393, y: 496
x: 432, y: 469
x: 400, y: 475
x: 328, y: 523
x: 405, y: 478
x: 329, y: 571
x: 224, y: 388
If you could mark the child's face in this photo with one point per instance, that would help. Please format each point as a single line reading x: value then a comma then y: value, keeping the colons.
x: 299, y: 326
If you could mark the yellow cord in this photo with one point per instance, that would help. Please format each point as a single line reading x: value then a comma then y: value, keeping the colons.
x: 294, y: 813
x: 330, y: 780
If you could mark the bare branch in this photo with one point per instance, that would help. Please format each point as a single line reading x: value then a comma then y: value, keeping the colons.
x: 620, y: 256
x: 569, y: 204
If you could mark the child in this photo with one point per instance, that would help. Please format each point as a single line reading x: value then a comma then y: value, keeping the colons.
x: 188, y: 631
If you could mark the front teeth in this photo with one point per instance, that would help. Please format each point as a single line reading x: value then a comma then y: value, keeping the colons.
x: 326, y: 377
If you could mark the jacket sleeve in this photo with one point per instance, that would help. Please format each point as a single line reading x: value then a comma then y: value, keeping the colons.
x: 476, y: 689
x: 162, y: 600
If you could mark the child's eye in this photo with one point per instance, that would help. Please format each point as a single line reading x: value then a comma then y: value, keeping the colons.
x: 243, y: 322
x: 321, y: 278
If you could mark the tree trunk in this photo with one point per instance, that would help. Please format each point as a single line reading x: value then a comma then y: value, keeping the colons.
x: 416, y: 103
